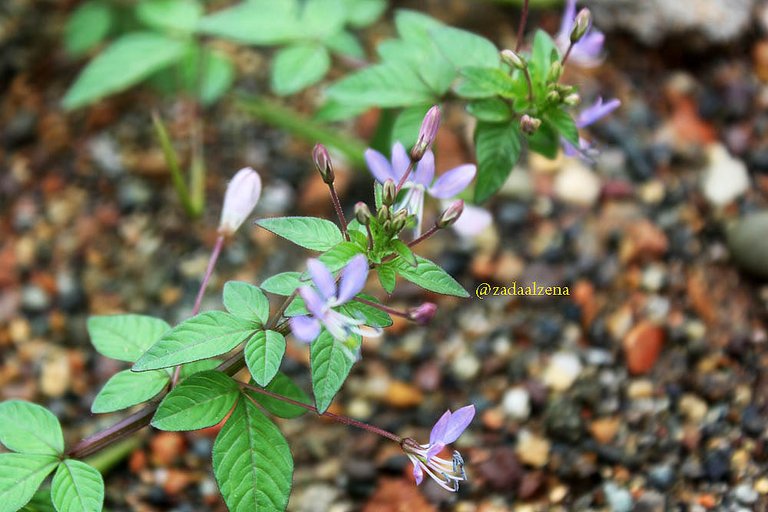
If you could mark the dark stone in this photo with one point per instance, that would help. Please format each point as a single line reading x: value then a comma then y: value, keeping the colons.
x: 661, y: 477
x: 562, y: 419
x: 752, y: 421
x: 717, y: 466
x: 502, y: 471
x: 531, y: 484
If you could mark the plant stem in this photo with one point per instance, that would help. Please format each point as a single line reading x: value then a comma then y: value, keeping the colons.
x: 335, y: 417
x: 172, y: 162
x: 567, y: 53
x: 530, y: 84
x: 521, y: 26
x: 404, y: 178
x: 383, y: 307
x: 428, y: 233
x: 201, y: 292
x: 339, y: 211
x: 289, y: 120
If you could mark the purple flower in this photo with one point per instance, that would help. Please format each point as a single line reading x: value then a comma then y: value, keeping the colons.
x: 586, y: 117
x: 587, y: 52
x: 421, y: 181
x: 423, y: 456
x: 240, y: 199
x: 326, y: 295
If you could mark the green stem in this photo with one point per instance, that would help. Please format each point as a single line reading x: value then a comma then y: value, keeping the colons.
x: 173, y: 166
x: 288, y: 119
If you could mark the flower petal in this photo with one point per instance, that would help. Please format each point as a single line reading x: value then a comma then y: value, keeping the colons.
x: 597, y: 111
x: 322, y: 278
x: 434, y: 450
x: 305, y: 328
x: 438, y: 431
x: 425, y: 169
x: 414, y: 204
x: 353, y: 278
x: 379, y: 166
x: 588, y: 52
x: 400, y: 161
x: 472, y: 221
x: 453, y: 182
x: 457, y: 423
x: 312, y: 300
x: 418, y: 474
x: 569, y: 14
x: 240, y: 199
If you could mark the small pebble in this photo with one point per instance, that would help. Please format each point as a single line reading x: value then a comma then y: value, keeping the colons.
x: 563, y: 369
x: 517, y: 403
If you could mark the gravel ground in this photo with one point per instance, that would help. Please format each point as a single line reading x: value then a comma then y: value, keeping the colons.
x: 644, y: 389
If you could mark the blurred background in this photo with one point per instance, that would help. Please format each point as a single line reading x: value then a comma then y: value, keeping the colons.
x: 645, y: 389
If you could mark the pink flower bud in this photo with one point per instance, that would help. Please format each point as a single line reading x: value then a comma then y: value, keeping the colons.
x: 451, y: 214
x: 423, y: 314
x: 581, y: 24
x: 427, y: 133
x: 242, y: 194
x: 323, y: 163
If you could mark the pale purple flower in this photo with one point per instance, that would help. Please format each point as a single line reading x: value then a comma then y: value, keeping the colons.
x: 240, y: 199
x: 586, y: 117
x: 326, y: 295
x: 588, y: 51
x: 421, y: 181
x: 448, y: 428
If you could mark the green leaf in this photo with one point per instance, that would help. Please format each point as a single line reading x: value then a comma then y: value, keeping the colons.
x: 464, y: 48
x: 333, y: 110
x: 177, y: 15
x: 331, y: 362
x: 263, y: 354
x: 408, y: 123
x: 282, y: 284
x: 20, y: 476
x: 308, y: 232
x: 544, y: 53
x: 125, y: 337
x: 479, y: 82
x: 30, y: 428
x: 492, y: 110
x: 77, y: 487
x: 417, y: 52
x: 345, y: 43
x: 87, y: 26
x: 189, y: 369
x: 124, y: 63
x: 387, y: 277
x: 296, y: 308
x: 430, y: 277
x: 564, y: 124
x: 246, y: 301
x: 361, y: 13
x: 218, y: 76
x: 544, y: 141
x: 404, y: 252
x: 206, y: 335
x: 129, y: 388
x: 372, y: 316
x: 383, y: 85
x: 284, y: 386
x: 252, y: 462
x: 41, y: 501
x: 497, y: 147
x: 298, y: 66
x: 339, y: 255
x: 201, y: 401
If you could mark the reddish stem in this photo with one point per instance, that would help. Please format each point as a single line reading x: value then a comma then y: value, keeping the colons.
x: 339, y: 211
x: 383, y: 307
x: 521, y: 26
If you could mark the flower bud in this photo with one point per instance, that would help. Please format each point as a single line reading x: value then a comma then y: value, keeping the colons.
x: 399, y: 220
x: 529, y: 124
x: 572, y: 99
x: 513, y: 59
x: 240, y: 199
x: 555, y: 71
x: 581, y: 25
x: 423, y: 314
x: 427, y: 133
x: 389, y: 193
x: 323, y: 163
x: 387, y: 226
x: 553, y: 97
x: 363, y: 213
x: 383, y: 214
x: 450, y: 215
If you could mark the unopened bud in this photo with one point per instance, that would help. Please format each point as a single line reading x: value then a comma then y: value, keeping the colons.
x: 240, y: 199
x: 363, y: 213
x: 323, y: 163
x: 513, y: 59
x: 399, y: 220
x: 423, y: 314
x: 427, y: 133
x: 389, y: 193
x: 555, y: 71
x: 529, y: 124
x: 450, y: 215
x: 572, y: 99
x: 553, y: 97
x: 581, y: 25
x: 383, y: 214
x: 387, y: 226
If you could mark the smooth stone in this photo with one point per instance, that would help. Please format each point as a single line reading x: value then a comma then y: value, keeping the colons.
x: 517, y: 403
x: 748, y: 244
x: 619, y: 499
x: 725, y: 178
